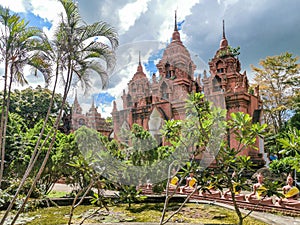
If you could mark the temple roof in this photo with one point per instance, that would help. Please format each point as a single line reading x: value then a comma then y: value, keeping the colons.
x: 223, y: 42
x: 139, y: 72
x: 176, y: 54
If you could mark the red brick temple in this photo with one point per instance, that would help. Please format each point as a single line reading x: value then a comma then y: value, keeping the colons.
x: 91, y: 119
x: 150, y: 102
x: 226, y: 79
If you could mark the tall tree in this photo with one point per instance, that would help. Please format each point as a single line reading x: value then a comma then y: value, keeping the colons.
x: 277, y: 80
x: 78, y: 53
x: 32, y: 104
x: 19, y: 45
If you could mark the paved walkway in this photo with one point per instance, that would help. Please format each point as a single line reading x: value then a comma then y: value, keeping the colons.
x: 268, y: 218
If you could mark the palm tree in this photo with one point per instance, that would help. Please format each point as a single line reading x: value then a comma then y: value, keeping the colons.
x: 77, y: 53
x: 19, y: 46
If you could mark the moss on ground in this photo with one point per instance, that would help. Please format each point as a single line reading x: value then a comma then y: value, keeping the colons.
x: 57, y: 194
x: 146, y: 212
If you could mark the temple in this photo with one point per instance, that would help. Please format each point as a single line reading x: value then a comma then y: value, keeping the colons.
x: 91, y: 119
x: 227, y: 81
x: 150, y: 102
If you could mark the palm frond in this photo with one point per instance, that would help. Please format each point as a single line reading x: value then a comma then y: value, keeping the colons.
x: 100, y: 51
x: 101, y: 29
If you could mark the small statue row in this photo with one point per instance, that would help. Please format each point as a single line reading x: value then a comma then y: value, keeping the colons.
x: 290, y: 191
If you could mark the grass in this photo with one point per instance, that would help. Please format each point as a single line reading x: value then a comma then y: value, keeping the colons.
x: 57, y: 194
x: 146, y: 212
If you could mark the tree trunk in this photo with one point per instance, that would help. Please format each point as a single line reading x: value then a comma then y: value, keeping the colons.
x: 35, y: 153
x: 3, y: 116
x: 55, y: 129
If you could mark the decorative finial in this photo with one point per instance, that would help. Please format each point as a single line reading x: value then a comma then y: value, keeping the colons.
x: 140, y: 68
x: 224, y: 30
x: 224, y: 42
x: 175, y: 27
x: 139, y: 57
x: 93, y: 102
x: 75, y: 100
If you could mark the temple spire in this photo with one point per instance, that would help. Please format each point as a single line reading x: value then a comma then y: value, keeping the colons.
x: 224, y: 42
x: 224, y: 30
x: 140, y: 68
x: 93, y: 102
x: 175, y: 27
x: 176, y: 35
x: 76, y: 99
x: 140, y: 58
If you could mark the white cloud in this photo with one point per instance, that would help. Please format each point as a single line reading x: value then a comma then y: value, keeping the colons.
x: 130, y: 13
x: 183, y: 9
x: 16, y: 5
x: 260, y: 28
x: 227, y: 3
x: 47, y: 9
x: 105, y: 110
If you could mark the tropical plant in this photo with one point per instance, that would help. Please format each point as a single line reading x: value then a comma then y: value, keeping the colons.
x: 200, y: 133
x: 290, y: 143
x: 15, y: 145
x: 76, y: 51
x: 19, y: 46
x: 229, y: 159
x: 129, y: 194
x: 84, y: 166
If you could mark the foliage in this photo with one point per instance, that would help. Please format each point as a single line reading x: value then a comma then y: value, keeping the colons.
x: 295, y: 119
x: 129, y: 194
x: 14, y: 183
x: 20, y: 144
x: 141, y: 156
x: 7, y: 194
x: 75, y: 51
x: 290, y: 143
x: 32, y: 104
x: 86, y: 173
x: 16, y: 129
x: 21, y: 158
x: 4, y: 198
x: 229, y: 159
x: 143, y: 147
x: 20, y: 45
x: 203, y: 132
x: 276, y: 80
x: 282, y: 166
x: 200, y: 133
x: 229, y: 51
x: 82, y: 53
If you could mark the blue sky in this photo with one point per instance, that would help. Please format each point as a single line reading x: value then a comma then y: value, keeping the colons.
x: 260, y: 27
x: 35, y: 20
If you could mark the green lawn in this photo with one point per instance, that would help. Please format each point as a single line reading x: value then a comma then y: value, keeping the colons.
x: 146, y: 212
x: 57, y: 194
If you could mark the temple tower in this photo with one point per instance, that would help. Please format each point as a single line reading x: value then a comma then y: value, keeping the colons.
x: 227, y: 83
x: 150, y: 103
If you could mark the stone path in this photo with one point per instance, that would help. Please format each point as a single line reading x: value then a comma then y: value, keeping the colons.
x: 269, y: 218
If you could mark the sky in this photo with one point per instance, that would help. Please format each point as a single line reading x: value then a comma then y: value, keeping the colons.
x: 260, y: 28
